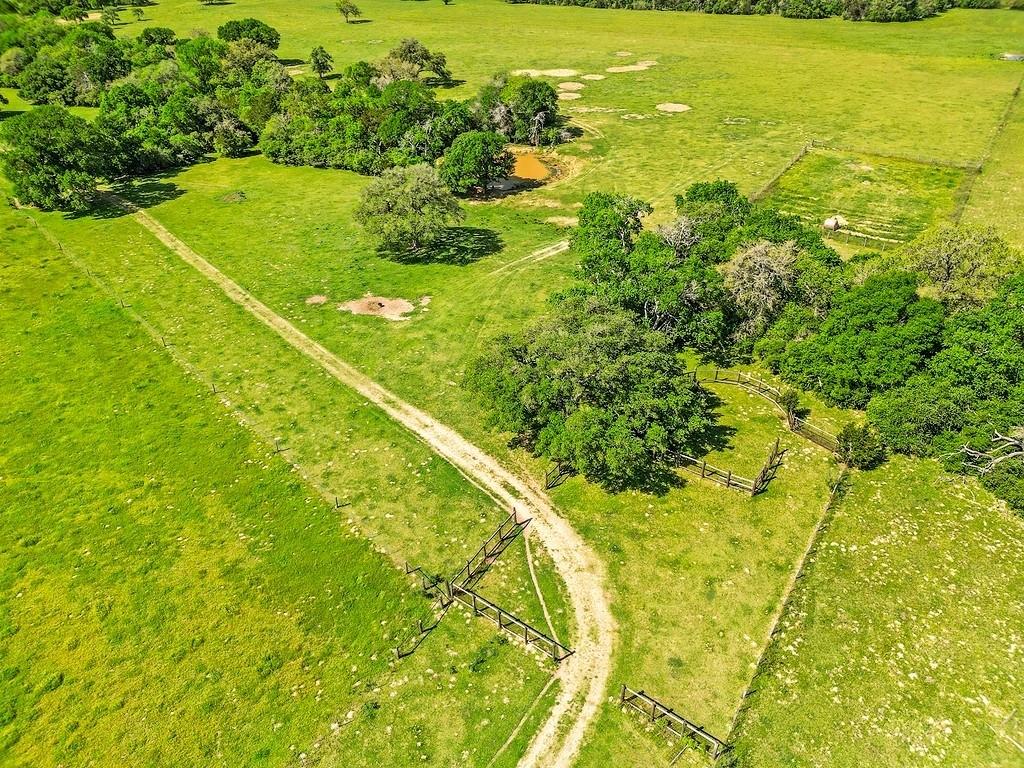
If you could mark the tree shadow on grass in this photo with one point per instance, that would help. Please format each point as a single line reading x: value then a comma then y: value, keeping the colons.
x: 145, y: 193
x: 458, y: 245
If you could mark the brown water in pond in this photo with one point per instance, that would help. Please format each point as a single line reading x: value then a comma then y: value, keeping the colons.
x: 530, y: 167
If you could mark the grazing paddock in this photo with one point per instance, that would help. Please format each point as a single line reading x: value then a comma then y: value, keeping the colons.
x: 888, y: 200
x: 202, y: 582
x: 904, y: 640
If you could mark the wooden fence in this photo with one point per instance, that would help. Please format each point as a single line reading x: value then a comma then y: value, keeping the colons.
x: 724, y: 477
x: 507, y: 622
x: 758, y: 386
x: 496, y: 543
x: 673, y: 722
x: 730, y: 479
x: 470, y: 574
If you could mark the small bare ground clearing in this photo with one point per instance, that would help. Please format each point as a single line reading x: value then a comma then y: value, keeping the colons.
x: 640, y: 66
x: 316, y: 300
x: 379, y: 306
x: 571, y: 86
x: 568, y: 96
x: 592, y: 77
x: 562, y: 221
x: 546, y: 72
x: 671, y: 106
x: 623, y: 54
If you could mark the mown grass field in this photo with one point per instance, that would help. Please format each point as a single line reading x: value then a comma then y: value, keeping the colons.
x: 175, y: 592
x: 904, y: 640
x: 889, y: 199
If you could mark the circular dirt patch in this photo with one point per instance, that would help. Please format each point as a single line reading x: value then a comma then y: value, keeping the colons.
x: 623, y: 53
x: 567, y: 96
x: 640, y: 66
x: 379, y: 306
x: 317, y: 300
x: 634, y: 116
x: 571, y: 86
x: 671, y: 106
x: 592, y: 77
x: 546, y: 72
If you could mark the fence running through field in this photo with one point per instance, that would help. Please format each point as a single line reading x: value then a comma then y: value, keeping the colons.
x: 674, y: 723
x: 460, y: 588
x: 759, y: 386
x: 510, y: 623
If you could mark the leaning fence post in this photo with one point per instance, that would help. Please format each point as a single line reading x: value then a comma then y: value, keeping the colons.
x: 728, y: 479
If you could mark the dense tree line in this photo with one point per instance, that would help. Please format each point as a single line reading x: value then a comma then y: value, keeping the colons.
x: 855, y: 10
x: 164, y: 103
x: 928, y: 340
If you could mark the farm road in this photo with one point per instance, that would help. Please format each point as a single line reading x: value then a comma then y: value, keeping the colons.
x: 584, y: 675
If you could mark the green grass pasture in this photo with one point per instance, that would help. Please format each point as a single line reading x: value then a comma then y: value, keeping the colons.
x: 887, y: 199
x: 903, y: 642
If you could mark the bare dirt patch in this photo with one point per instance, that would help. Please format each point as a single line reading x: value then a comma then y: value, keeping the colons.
x: 569, y: 96
x: 671, y: 106
x: 562, y: 221
x: 571, y: 86
x: 640, y: 66
x: 546, y: 72
x: 623, y: 54
x: 379, y: 306
x: 316, y: 300
x: 592, y: 77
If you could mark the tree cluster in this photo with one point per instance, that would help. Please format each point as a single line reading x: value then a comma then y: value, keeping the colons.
x: 165, y: 103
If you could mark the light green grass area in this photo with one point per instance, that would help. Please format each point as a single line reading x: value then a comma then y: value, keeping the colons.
x: 904, y: 641
x: 884, y: 198
x: 997, y: 198
x: 173, y: 591
x: 759, y: 87
x: 695, y: 574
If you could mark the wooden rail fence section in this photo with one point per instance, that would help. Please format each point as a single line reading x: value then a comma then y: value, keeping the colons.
x: 673, y: 722
x: 511, y: 624
x: 469, y: 575
x: 730, y: 479
x: 758, y: 386
x: 496, y: 543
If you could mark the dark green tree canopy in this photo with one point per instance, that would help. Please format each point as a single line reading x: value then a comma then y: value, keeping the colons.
x: 52, y: 158
x: 250, y: 29
x: 474, y: 160
x: 595, y: 390
x: 876, y: 337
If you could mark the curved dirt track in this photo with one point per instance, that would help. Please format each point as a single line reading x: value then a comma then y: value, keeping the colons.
x: 584, y: 675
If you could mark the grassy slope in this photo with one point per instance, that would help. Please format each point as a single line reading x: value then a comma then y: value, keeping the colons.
x: 922, y: 668
x: 146, y: 580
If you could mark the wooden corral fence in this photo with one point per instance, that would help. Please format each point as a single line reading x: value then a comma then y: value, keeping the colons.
x: 469, y: 575
x: 507, y: 622
x: 724, y: 477
x: 730, y: 479
x: 674, y: 723
x: 557, y: 475
x: 773, y: 394
x: 496, y: 543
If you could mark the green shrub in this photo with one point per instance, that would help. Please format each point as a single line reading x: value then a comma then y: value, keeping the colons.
x: 860, y: 446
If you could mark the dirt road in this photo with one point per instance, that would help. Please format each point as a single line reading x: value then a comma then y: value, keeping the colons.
x: 584, y: 676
